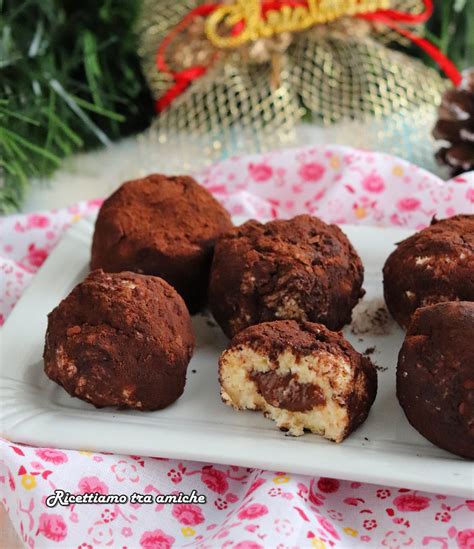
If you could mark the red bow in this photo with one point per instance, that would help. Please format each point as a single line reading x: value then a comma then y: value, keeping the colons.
x: 391, y: 18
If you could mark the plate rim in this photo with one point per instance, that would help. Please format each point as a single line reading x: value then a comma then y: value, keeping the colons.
x: 455, y: 476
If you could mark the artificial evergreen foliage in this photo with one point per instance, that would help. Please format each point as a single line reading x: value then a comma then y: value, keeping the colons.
x: 69, y: 80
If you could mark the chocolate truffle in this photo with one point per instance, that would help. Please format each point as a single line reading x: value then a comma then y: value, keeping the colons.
x: 435, y: 375
x: 161, y: 226
x: 297, y: 269
x: 120, y: 339
x: 434, y: 265
x: 301, y: 375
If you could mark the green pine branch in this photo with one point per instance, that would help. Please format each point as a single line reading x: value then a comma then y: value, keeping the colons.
x: 70, y: 80
x: 451, y: 28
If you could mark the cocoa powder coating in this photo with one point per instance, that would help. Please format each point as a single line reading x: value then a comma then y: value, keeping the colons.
x: 120, y: 339
x: 435, y: 375
x: 304, y: 339
x: 300, y: 269
x: 161, y: 226
x: 432, y: 266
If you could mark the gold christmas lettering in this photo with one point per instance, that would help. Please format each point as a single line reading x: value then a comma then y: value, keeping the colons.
x: 248, y: 15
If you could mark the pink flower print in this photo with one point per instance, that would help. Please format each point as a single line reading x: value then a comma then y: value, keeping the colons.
x: 311, y: 171
x: 465, y: 539
x: 353, y: 501
x: 175, y: 476
x: 255, y: 486
x: 108, y: 515
x: 95, y: 203
x: 126, y: 531
x: 400, y: 520
x: 302, y: 490
x: 221, y: 504
x: 444, y: 516
x: 222, y: 534
x: 328, y: 485
x: 52, y: 527
x: 253, y: 511
x: 156, y: 540
x: 470, y: 504
x: 408, y: 204
x: 314, y: 497
x: 37, y: 221
x: 187, y: 514
x: 11, y: 481
x: 324, y: 522
x: 395, y: 220
x: 89, y: 485
x: 396, y: 540
x: 470, y: 194
x: 53, y: 456
x: 35, y: 257
x: 125, y: 471
x: 335, y: 515
x: 297, y: 189
x: 237, y: 209
x: 214, y: 479
x: 411, y: 502
x: 247, y: 545
x: 373, y: 183
x: 101, y: 534
x: 283, y: 526
x: 260, y: 172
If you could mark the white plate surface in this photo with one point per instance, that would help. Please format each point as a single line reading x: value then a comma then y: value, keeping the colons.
x: 385, y: 450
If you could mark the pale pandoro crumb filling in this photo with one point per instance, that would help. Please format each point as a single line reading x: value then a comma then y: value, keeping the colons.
x: 332, y: 374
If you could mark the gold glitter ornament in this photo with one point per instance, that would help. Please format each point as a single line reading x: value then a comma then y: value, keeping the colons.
x: 254, y: 94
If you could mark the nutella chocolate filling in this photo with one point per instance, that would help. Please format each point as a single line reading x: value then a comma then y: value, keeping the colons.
x: 286, y: 392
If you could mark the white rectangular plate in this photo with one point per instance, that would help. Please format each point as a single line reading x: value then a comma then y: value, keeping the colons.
x: 385, y: 450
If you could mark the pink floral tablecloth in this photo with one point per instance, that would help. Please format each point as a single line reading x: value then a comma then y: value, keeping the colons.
x: 246, y: 508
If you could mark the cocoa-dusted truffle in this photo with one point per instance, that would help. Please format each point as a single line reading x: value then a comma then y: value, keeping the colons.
x: 434, y: 265
x: 298, y: 269
x: 162, y: 226
x: 120, y: 339
x: 303, y: 376
x: 435, y: 375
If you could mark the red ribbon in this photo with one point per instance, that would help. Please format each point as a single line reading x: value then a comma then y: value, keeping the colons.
x: 446, y: 65
x: 393, y: 19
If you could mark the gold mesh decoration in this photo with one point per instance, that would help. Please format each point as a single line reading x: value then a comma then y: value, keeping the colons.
x: 253, y: 95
